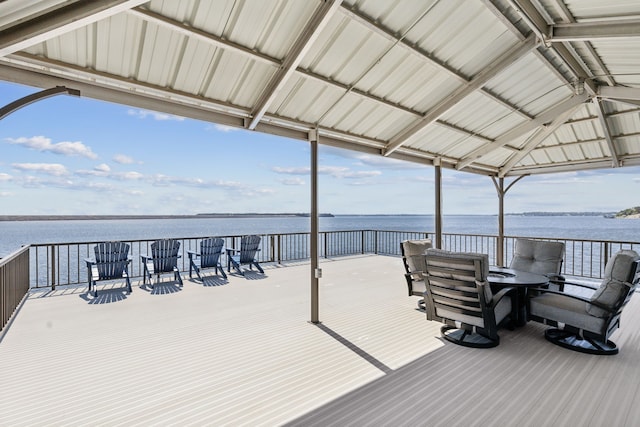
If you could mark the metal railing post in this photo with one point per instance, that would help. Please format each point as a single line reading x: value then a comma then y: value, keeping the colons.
x: 53, y: 267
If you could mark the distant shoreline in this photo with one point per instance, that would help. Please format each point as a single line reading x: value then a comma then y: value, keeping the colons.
x: 120, y: 217
x: 270, y: 215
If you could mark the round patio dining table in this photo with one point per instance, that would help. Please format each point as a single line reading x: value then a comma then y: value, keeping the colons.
x: 520, y: 280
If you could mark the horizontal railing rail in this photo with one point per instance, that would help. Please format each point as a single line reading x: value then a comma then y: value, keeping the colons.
x: 53, y: 264
x: 14, y: 283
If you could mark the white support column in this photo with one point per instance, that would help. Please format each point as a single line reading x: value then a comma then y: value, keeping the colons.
x: 316, y: 272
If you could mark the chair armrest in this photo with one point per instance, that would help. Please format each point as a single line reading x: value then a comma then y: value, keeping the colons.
x: 146, y: 258
x: 90, y: 261
x: 576, y: 297
x: 193, y: 254
x: 501, y: 293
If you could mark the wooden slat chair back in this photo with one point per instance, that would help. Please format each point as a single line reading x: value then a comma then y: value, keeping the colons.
x: 111, y: 262
x: 165, y: 255
x: 163, y: 259
x: 458, y: 295
x: 249, y: 246
x: 112, y: 259
x: 210, y: 252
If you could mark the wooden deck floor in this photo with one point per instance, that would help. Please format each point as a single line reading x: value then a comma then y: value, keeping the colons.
x: 243, y: 353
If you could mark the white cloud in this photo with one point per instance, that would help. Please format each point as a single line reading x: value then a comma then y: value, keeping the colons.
x: 54, y: 169
x: 385, y: 162
x: 225, y: 128
x: 143, y: 114
x: 5, y: 194
x: 123, y: 159
x: 104, y: 171
x: 292, y: 171
x: 65, y: 148
x: 293, y: 181
x: 5, y: 177
x: 334, y: 171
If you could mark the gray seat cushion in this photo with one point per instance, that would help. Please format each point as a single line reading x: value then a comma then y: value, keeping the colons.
x: 615, y: 283
x: 566, y: 310
x: 538, y: 256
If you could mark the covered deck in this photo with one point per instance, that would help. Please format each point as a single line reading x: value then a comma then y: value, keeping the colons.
x: 244, y: 353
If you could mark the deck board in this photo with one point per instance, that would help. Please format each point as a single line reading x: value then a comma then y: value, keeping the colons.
x: 244, y: 353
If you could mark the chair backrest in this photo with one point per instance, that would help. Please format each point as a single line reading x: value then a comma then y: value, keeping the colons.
x: 413, y: 252
x: 457, y: 286
x: 210, y: 250
x: 620, y: 279
x: 165, y: 255
x: 111, y: 259
x: 248, y: 248
x: 538, y: 256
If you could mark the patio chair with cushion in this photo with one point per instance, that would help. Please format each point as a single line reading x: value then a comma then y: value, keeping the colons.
x: 246, y: 255
x: 541, y: 257
x: 458, y: 294
x: 111, y: 263
x: 163, y: 259
x: 209, y: 255
x: 585, y: 324
x: 413, y: 252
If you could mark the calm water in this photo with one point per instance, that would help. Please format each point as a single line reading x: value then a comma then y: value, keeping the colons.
x: 13, y: 234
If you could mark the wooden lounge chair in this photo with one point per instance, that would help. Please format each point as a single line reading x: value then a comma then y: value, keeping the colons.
x: 163, y: 259
x: 112, y: 262
x: 209, y: 255
x: 245, y: 255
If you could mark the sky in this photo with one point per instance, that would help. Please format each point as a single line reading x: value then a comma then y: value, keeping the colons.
x: 78, y: 156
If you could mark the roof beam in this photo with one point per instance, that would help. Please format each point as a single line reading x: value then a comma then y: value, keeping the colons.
x: 585, y: 31
x: 568, y: 18
x: 536, y: 139
x: 476, y: 83
x: 300, y: 48
x: 619, y: 93
x: 544, y: 118
x: 602, y: 117
x: 60, y: 21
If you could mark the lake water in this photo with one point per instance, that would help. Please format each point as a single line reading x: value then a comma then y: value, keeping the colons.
x: 14, y: 234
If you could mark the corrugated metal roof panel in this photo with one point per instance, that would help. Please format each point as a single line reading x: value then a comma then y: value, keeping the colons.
x: 494, y: 121
x: 623, y: 66
x: 528, y: 84
x: 385, y: 70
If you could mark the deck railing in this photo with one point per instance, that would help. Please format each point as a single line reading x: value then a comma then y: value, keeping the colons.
x: 14, y: 283
x: 55, y: 264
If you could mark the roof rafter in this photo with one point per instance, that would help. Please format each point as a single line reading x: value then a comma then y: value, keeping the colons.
x: 627, y: 28
x: 602, y: 117
x: 589, y: 50
x: 536, y: 139
x: 449, y: 102
x: 544, y: 118
x: 299, y: 49
x: 61, y: 21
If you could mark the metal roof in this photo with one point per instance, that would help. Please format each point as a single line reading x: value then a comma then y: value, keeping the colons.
x: 498, y: 87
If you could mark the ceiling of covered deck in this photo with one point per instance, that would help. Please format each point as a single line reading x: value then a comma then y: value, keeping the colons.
x: 497, y: 87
